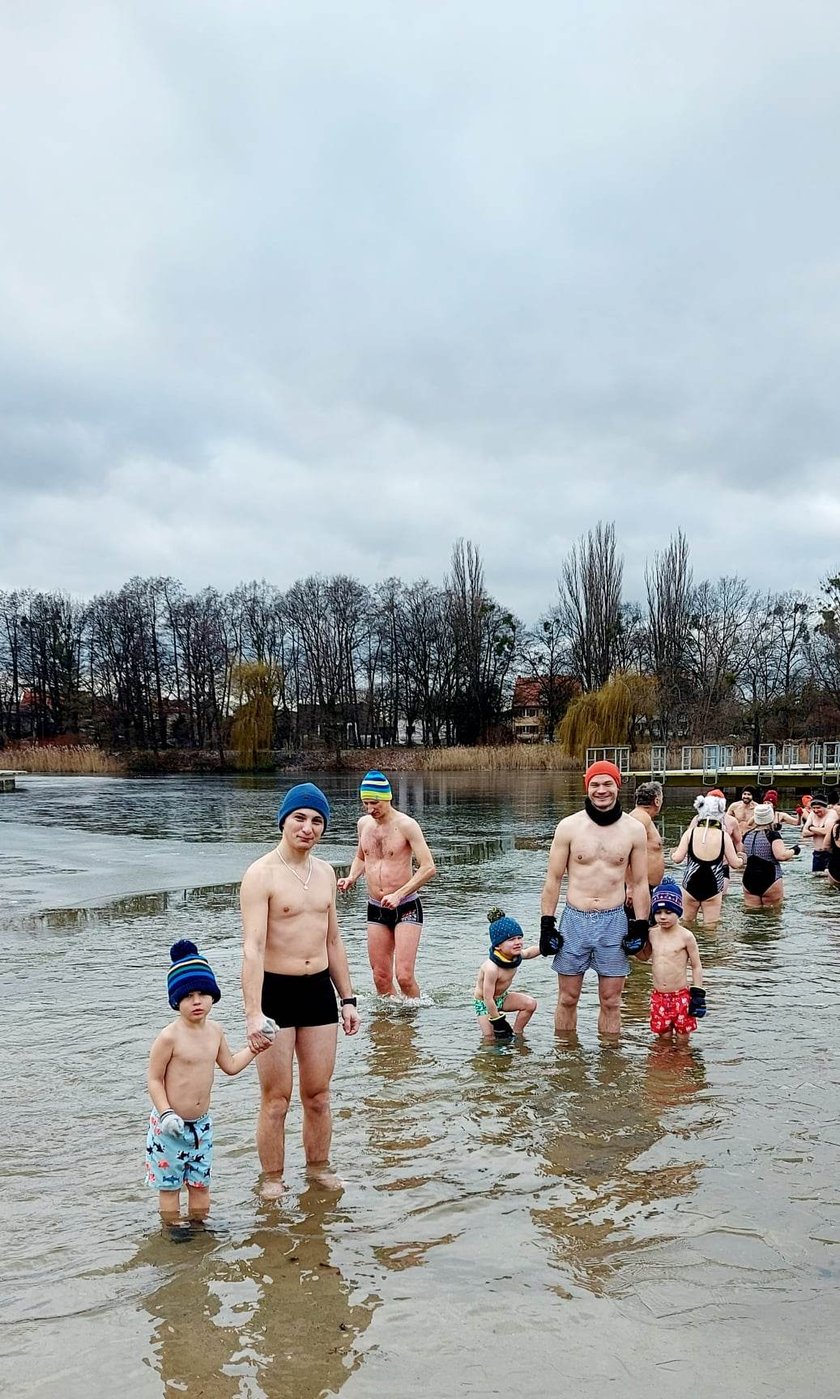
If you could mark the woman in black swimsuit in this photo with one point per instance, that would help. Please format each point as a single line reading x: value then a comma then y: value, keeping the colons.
x: 832, y: 845
x: 706, y: 847
x: 765, y: 852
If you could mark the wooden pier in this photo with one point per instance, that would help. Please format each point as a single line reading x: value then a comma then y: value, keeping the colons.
x: 7, y: 778
x: 799, y: 767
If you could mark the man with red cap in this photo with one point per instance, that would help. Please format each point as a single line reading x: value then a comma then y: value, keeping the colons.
x: 600, y: 850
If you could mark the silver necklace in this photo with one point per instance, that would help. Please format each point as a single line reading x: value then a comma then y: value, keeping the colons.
x: 292, y: 870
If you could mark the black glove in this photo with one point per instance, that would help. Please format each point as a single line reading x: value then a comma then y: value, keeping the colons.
x: 797, y: 849
x: 551, y: 939
x: 501, y: 1028
x: 635, y: 940
x: 697, y: 1002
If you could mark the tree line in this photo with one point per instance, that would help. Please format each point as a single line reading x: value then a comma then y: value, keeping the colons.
x: 335, y: 661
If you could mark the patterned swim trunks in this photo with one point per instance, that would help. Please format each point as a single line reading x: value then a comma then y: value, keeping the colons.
x: 669, y: 1011
x: 175, y: 1161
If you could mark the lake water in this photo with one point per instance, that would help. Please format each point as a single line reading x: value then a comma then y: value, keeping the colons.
x: 624, y: 1218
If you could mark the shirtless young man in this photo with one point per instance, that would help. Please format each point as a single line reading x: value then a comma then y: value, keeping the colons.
x: 293, y: 965
x: 601, y: 850
x: 817, y: 826
x: 649, y: 798
x: 389, y: 844
x: 742, y: 810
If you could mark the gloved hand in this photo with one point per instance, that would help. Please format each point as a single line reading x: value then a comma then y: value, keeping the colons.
x: 635, y: 940
x: 501, y: 1028
x: 171, y: 1125
x: 797, y: 849
x: 551, y: 939
x: 697, y: 1002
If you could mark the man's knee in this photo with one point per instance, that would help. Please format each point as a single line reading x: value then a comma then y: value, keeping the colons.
x: 610, y: 997
x: 274, y: 1104
x: 317, y: 1102
x: 568, y: 996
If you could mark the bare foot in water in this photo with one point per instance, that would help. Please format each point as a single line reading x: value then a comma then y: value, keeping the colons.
x: 322, y: 1175
x: 273, y: 1188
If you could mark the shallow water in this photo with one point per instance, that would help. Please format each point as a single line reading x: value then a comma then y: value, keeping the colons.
x: 513, y: 1218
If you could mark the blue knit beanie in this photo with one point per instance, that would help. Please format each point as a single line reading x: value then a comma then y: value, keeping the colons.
x: 305, y: 796
x: 667, y: 895
x: 189, y: 972
x: 375, y: 787
x: 502, y: 928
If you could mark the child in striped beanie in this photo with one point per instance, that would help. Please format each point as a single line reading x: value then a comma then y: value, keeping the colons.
x: 179, y: 1143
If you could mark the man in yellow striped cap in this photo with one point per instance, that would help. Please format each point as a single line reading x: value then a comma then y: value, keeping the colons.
x: 390, y: 845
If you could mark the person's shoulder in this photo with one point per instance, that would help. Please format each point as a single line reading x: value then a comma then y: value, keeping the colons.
x: 167, y: 1034
x: 636, y: 829
x: 258, y: 867
x: 322, y: 866
x: 568, y: 823
x: 639, y: 814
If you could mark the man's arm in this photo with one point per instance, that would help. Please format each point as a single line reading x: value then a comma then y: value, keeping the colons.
x: 357, y: 868
x: 639, y: 873
x: 733, y: 857
x: 558, y: 859
x: 426, y: 868
x: 253, y: 903
x: 339, y: 970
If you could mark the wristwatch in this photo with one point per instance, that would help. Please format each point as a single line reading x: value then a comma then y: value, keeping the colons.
x: 348, y: 1000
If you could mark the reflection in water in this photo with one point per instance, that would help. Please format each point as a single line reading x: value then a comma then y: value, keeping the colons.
x: 608, y: 1115
x: 272, y: 1313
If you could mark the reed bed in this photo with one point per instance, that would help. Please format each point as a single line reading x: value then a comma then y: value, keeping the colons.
x: 77, y: 760
x: 513, y: 757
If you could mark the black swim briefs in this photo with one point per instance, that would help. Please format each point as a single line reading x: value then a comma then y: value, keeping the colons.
x: 296, y: 1001
x: 410, y: 911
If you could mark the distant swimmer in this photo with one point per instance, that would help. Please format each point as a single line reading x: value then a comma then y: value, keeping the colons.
x: 390, y: 843
x: 493, y: 996
x: 782, y: 818
x: 765, y: 853
x: 742, y: 810
x: 731, y: 825
x: 601, y: 850
x: 832, y: 845
x: 648, y: 805
x: 815, y: 827
x: 705, y: 847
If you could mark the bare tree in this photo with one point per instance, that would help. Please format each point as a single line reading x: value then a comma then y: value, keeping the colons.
x: 669, y: 585
x: 589, y: 605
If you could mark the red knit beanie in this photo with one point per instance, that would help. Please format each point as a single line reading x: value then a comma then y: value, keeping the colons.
x: 601, y: 769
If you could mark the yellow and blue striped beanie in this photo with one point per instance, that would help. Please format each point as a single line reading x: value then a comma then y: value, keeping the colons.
x: 375, y: 787
x: 189, y: 972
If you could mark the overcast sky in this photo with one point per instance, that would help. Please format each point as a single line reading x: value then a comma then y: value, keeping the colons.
x: 307, y: 286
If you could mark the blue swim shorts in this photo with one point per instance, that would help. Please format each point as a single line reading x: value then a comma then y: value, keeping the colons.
x: 175, y: 1161
x: 592, y: 939
x: 819, y: 861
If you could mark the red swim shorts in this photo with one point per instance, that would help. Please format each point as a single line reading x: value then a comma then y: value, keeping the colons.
x: 669, y: 1011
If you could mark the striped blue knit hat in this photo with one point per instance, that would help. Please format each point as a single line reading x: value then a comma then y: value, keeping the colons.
x: 189, y: 972
x: 375, y: 787
x: 502, y: 928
